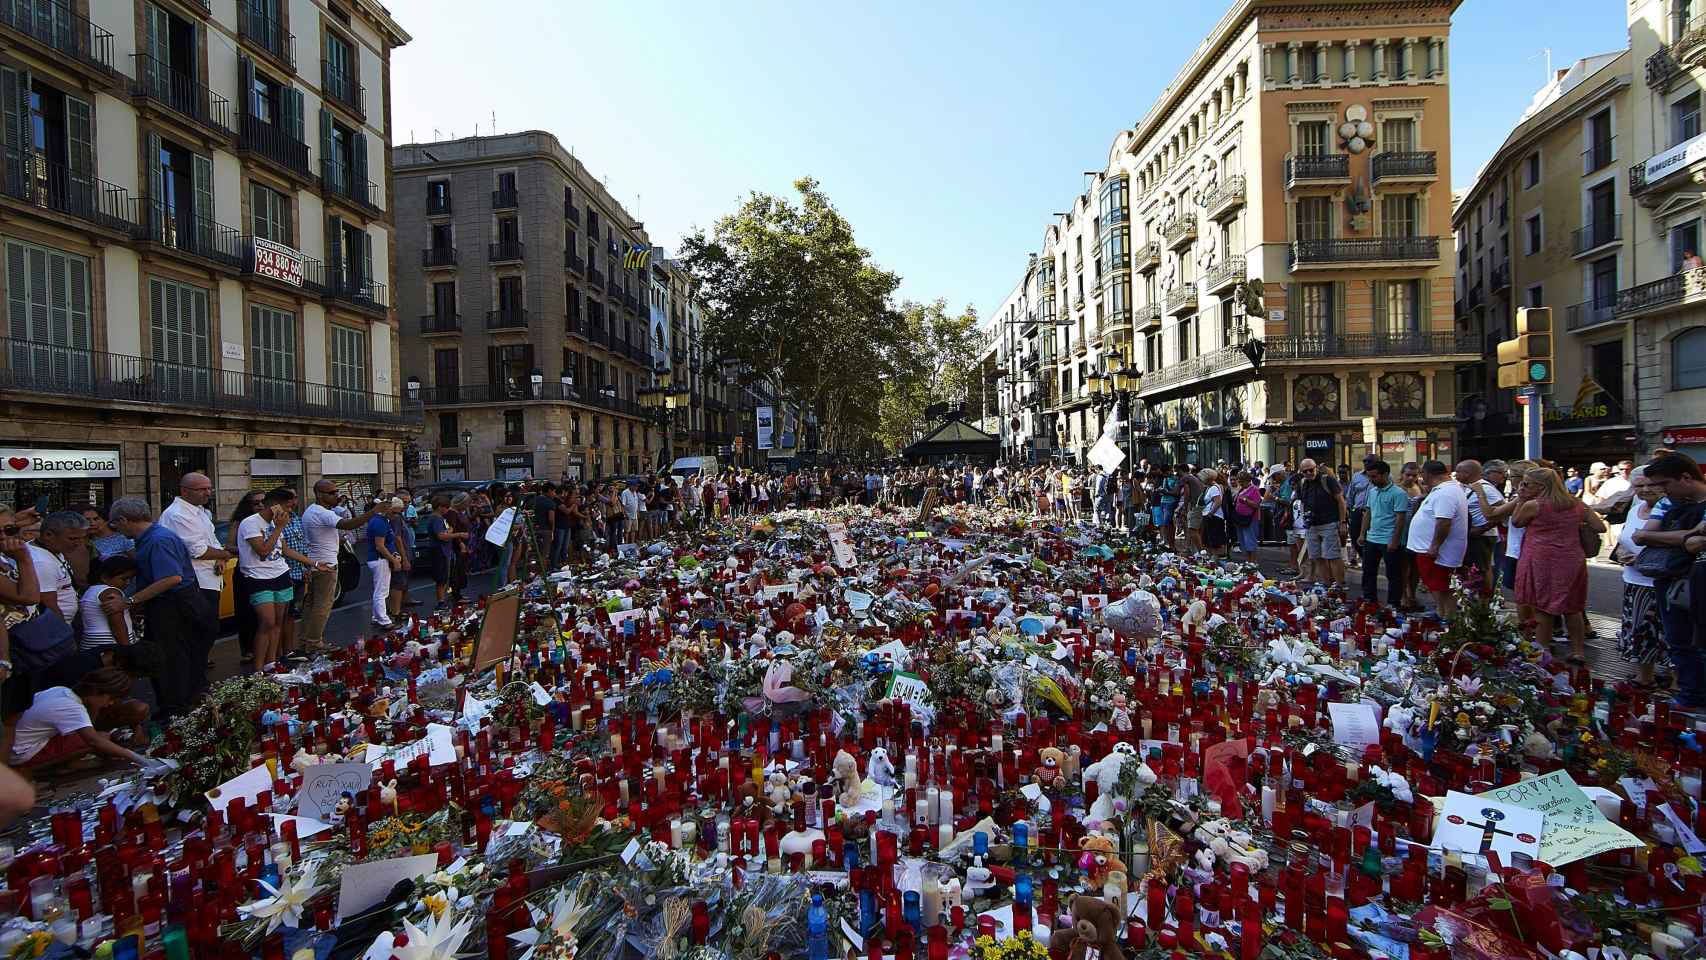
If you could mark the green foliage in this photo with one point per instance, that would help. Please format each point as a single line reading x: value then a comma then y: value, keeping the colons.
x: 941, y: 368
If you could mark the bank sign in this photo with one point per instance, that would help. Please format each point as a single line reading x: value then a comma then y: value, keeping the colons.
x: 32, y: 464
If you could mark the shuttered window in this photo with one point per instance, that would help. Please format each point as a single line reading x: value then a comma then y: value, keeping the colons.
x: 272, y: 351
x: 178, y: 329
x: 271, y: 213
x: 349, y: 368
x: 47, y: 305
x: 1398, y: 216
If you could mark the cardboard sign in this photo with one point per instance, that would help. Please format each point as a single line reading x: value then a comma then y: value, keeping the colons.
x: 927, y: 508
x: 364, y: 886
x: 1476, y: 825
x: 324, y: 783
x: 1574, y: 827
x: 497, y: 630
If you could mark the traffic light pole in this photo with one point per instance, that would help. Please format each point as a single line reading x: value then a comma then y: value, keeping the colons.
x: 1533, y: 424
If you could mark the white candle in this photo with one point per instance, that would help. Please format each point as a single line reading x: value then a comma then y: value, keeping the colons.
x: 932, y: 804
x: 575, y: 718
x: 675, y: 834
x: 1268, y: 804
x: 995, y: 742
x: 616, y: 744
x: 947, y: 799
x: 888, y: 808
x: 932, y: 897
x: 910, y: 779
x: 689, y: 833
x: 944, y: 835
x: 622, y: 790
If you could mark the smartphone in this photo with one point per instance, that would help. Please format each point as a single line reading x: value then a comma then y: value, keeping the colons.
x: 41, y: 505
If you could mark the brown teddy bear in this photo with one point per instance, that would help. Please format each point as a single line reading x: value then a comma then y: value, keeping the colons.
x: 1049, y: 773
x: 1095, y: 932
x: 1100, y: 858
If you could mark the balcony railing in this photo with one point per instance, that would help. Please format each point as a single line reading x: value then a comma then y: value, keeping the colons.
x: 506, y: 250
x: 1326, y: 166
x: 1313, y: 346
x: 1149, y: 315
x: 1404, y: 163
x: 1590, y: 313
x: 36, y: 180
x: 1180, y: 230
x: 158, y: 82
x: 1225, y: 196
x: 267, y: 141
x: 184, y: 233
x: 265, y: 32
x: 438, y: 205
x: 571, y: 212
x: 1596, y: 234
x: 1148, y: 256
x: 340, y: 86
x: 1215, y: 362
x: 1662, y: 292
x: 357, y: 291
x: 506, y: 198
x: 1599, y: 155
x: 1364, y: 250
x: 1501, y: 278
x: 506, y: 318
x: 337, y: 179
x: 85, y: 375
x: 438, y: 257
x: 60, y: 28
x: 441, y: 323
x: 595, y: 277
x: 574, y: 261
x: 1226, y: 273
x: 1182, y: 299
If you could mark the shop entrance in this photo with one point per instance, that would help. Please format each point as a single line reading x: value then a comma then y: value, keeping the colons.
x: 175, y: 462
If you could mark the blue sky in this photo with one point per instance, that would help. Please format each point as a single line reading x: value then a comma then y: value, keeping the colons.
x: 948, y: 133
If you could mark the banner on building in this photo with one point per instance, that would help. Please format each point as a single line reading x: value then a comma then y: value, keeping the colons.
x: 766, y: 427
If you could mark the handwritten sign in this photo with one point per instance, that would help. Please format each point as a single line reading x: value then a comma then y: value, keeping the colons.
x: 908, y: 689
x: 439, y: 746
x: 498, y: 532
x: 1574, y: 827
x: 1480, y: 824
x: 324, y: 783
x: 839, y: 546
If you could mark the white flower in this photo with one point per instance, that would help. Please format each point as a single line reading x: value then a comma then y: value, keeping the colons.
x: 567, y: 913
x: 441, y: 939
x: 288, y: 901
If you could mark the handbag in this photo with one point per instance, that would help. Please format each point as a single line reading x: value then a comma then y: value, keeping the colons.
x: 1663, y: 563
x: 41, y: 641
x: 1589, y: 539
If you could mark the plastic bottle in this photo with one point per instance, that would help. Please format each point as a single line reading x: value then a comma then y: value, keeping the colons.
x: 817, y: 929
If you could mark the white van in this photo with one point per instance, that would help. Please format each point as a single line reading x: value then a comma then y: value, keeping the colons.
x: 688, y: 466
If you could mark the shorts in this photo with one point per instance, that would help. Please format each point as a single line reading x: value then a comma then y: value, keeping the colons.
x: 1193, y: 519
x: 1323, y: 540
x: 1435, y: 578
x: 277, y: 589
x: 1293, y: 535
x: 1163, y: 515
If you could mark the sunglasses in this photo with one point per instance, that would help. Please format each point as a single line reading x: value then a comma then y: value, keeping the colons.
x: 11, y: 531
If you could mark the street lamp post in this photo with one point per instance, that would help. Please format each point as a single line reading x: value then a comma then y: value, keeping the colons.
x: 467, y: 453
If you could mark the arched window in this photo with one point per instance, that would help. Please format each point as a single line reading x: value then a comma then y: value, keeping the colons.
x: 1688, y: 359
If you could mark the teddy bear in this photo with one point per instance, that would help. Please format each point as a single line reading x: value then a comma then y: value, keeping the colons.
x: 778, y: 792
x: 749, y: 802
x: 1100, y: 858
x: 879, y: 768
x: 845, y: 772
x: 1095, y: 930
x: 1048, y: 767
x: 1106, y: 775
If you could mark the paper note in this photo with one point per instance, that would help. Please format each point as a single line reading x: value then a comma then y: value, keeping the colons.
x: 775, y: 591
x: 324, y: 783
x: 439, y: 745
x: 1476, y: 825
x: 1574, y: 827
x: 248, y: 785
x: 1354, y: 724
x: 305, y: 827
x: 839, y: 547
x: 498, y: 532
x: 541, y: 696
x: 1684, y: 833
x: 365, y: 885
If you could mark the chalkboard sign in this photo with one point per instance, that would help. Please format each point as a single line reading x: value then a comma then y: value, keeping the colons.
x: 497, y: 630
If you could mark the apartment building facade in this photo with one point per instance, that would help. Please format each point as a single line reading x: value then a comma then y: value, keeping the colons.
x: 195, y: 217
x: 1548, y: 222
x: 1264, y: 249
x: 527, y: 290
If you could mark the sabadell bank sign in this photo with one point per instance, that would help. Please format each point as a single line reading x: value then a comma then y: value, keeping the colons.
x: 34, y: 464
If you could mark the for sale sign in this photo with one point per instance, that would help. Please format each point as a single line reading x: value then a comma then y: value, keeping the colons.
x: 275, y: 261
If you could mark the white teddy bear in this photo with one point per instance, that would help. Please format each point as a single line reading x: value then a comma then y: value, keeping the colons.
x: 1106, y: 774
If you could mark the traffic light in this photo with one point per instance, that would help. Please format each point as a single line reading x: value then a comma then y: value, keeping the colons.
x: 1527, y: 360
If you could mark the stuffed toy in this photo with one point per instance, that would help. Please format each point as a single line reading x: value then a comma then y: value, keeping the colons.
x: 880, y: 768
x: 1095, y: 931
x: 1106, y: 774
x: 845, y: 771
x: 1100, y: 858
x: 1048, y: 767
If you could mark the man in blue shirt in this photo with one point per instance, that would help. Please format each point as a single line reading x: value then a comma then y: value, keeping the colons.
x: 177, y: 618
x: 1387, y: 504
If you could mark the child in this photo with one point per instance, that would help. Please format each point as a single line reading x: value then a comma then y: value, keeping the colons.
x: 111, y: 576
x: 58, y: 727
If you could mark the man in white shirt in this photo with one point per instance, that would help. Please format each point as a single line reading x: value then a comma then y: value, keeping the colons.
x: 1483, y: 533
x: 189, y: 518
x: 61, y: 533
x: 321, y: 524
x: 633, y: 501
x: 1439, y: 533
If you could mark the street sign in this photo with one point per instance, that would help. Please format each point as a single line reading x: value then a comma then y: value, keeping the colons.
x: 1369, y: 435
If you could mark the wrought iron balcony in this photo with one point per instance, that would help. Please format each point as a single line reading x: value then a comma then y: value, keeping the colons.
x: 1148, y: 256
x: 1180, y: 230
x: 1182, y: 300
x: 1317, y: 168
x: 1202, y: 366
x: 1596, y: 234
x: 441, y: 323
x: 94, y: 375
x: 182, y: 232
x: 357, y: 291
x: 266, y: 33
x: 1599, y: 155
x: 438, y: 257
x: 571, y: 212
x: 1687, y: 287
x: 574, y: 261
x: 505, y: 251
x: 1225, y: 196
x: 438, y: 205
x: 1501, y: 277
x: 595, y: 278
x: 1148, y: 316
x: 1404, y: 165
x: 60, y: 29
x: 1224, y: 274
x: 258, y: 138
x: 40, y: 182
x: 506, y: 318
x: 507, y: 198
x: 1590, y: 313
x: 1311, y: 346
x: 158, y: 83
x: 341, y: 87
x: 1354, y: 250
x: 338, y: 180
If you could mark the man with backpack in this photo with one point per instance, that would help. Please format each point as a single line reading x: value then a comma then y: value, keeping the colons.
x: 1326, y: 521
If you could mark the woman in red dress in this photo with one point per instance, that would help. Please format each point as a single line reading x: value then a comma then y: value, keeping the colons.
x: 1552, y: 573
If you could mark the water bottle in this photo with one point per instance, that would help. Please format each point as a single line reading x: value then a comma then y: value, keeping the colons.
x: 817, y: 929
